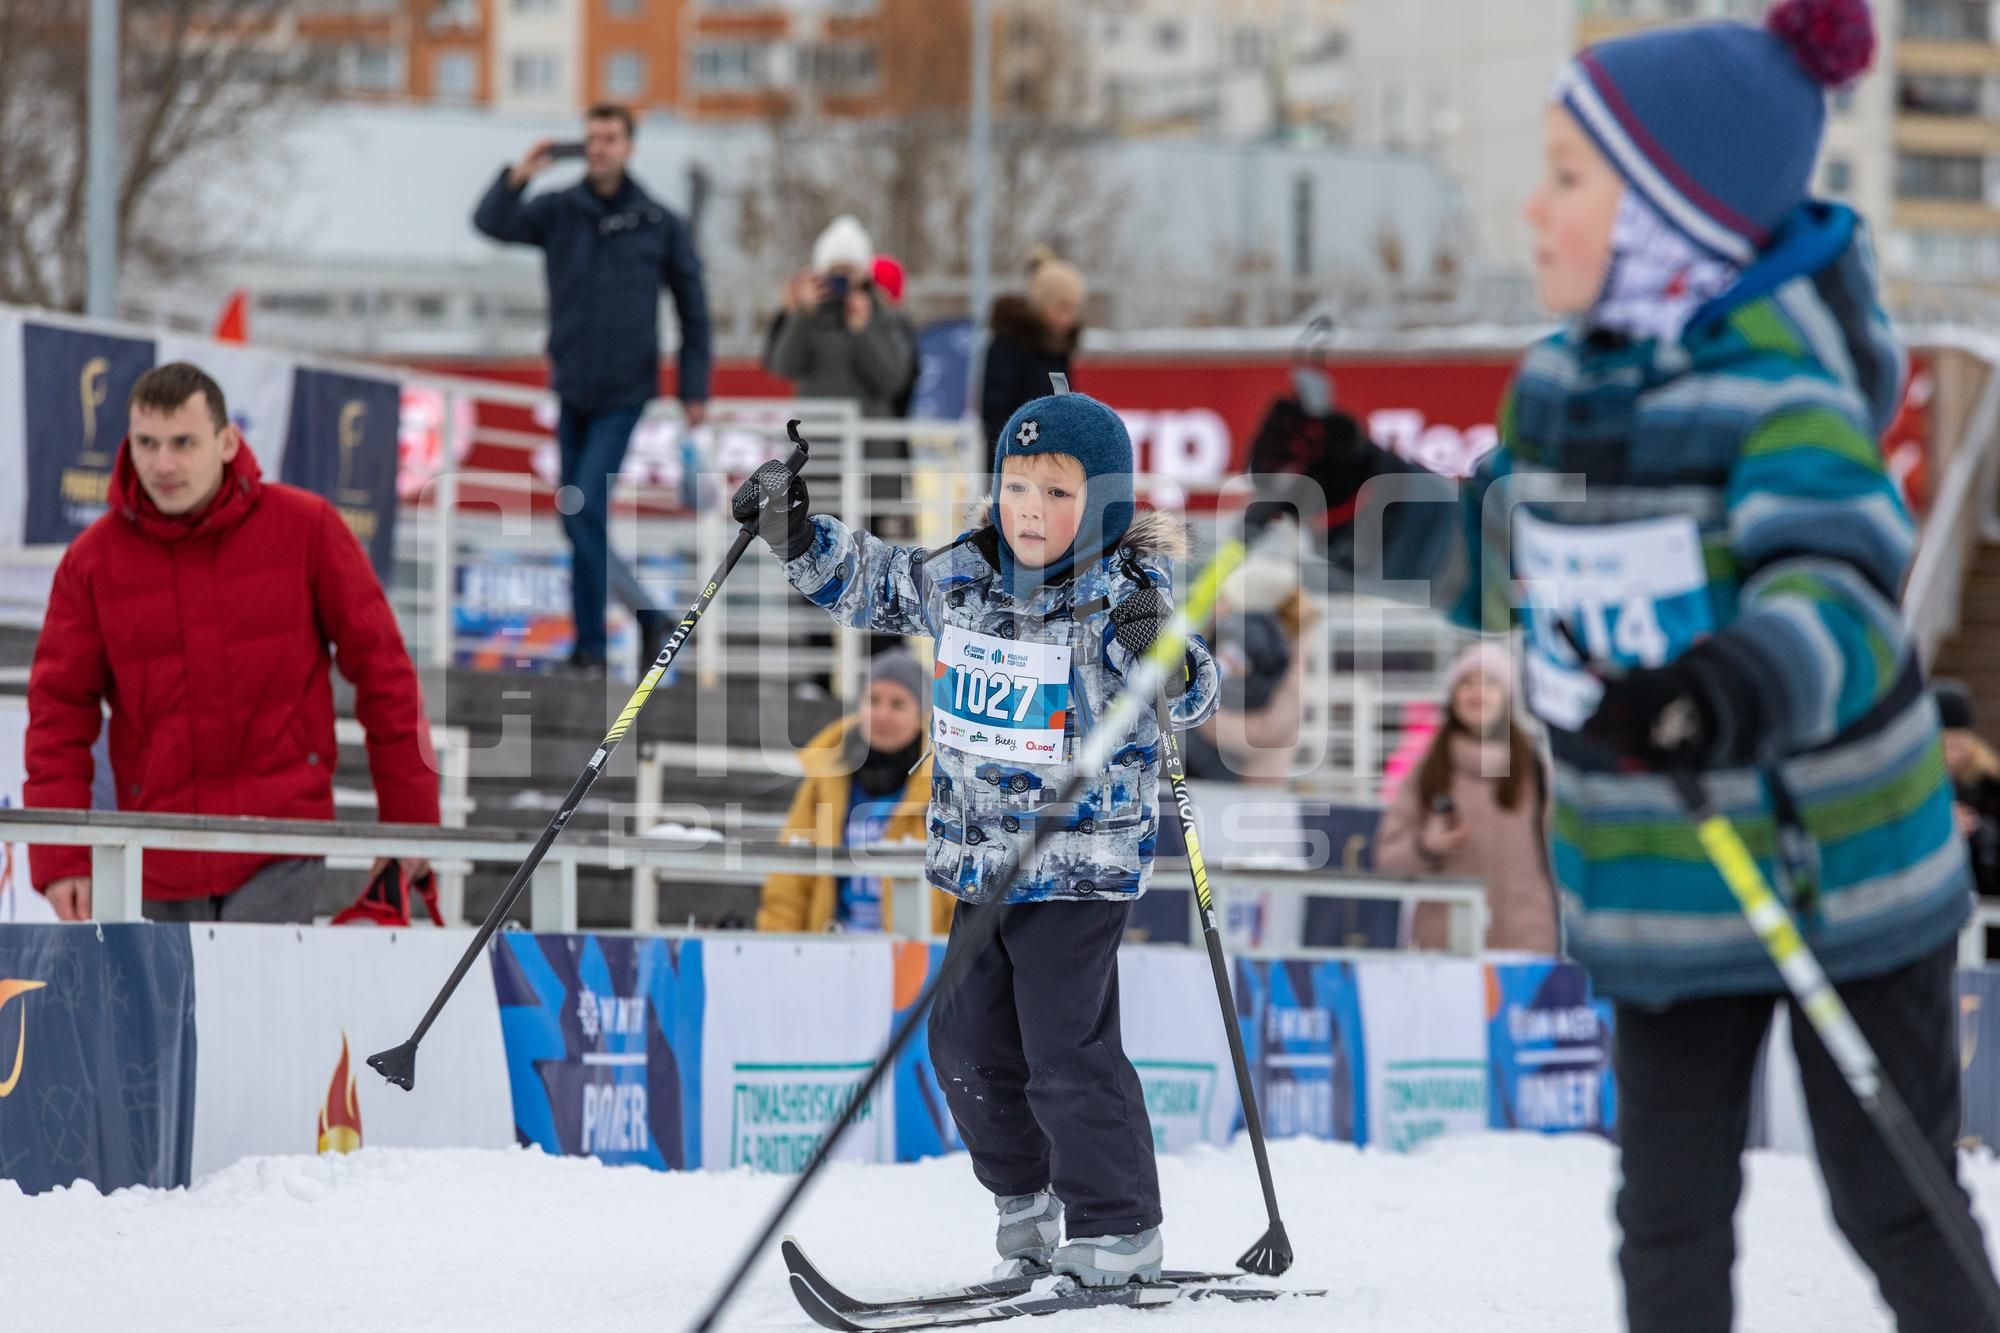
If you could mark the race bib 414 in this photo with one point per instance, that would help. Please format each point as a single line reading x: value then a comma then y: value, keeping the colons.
x: 1634, y: 594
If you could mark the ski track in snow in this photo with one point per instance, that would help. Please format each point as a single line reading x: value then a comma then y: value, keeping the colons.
x: 1483, y: 1234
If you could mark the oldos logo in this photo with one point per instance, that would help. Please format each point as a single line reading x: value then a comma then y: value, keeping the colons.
x: 10, y: 990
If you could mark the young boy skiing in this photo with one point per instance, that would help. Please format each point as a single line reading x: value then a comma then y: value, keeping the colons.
x: 1027, y: 1046
x: 1730, y: 567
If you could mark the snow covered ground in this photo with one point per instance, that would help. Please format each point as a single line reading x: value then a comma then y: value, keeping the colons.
x: 1485, y: 1234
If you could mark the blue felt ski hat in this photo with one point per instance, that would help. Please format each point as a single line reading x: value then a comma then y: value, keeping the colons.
x: 1093, y: 434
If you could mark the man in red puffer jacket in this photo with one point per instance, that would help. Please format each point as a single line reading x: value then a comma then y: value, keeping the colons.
x: 201, y: 608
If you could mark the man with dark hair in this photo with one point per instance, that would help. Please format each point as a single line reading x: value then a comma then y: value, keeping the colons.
x: 607, y: 248
x: 200, y: 607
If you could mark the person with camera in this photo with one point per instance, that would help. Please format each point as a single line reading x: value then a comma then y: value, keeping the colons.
x: 837, y: 337
x: 608, y: 247
x: 1477, y: 808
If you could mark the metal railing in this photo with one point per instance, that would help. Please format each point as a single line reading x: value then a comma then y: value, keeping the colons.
x: 119, y: 841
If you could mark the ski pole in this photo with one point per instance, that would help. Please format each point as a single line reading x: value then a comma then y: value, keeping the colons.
x: 1840, y: 1034
x: 399, y: 1063
x: 1272, y: 1254
x: 983, y: 921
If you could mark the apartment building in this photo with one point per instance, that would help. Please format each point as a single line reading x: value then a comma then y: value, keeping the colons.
x: 1914, y: 145
x: 697, y: 59
x: 1237, y: 69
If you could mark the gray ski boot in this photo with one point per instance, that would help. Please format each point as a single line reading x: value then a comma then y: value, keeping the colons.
x: 1110, y: 1261
x: 1030, y: 1224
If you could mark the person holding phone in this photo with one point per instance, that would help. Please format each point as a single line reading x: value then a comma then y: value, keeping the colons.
x: 608, y: 247
x: 836, y: 337
x: 1477, y: 808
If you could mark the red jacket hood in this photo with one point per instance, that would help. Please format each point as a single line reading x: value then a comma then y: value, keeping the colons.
x: 242, y: 483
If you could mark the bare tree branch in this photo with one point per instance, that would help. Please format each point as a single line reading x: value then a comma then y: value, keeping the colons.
x: 200, y: 82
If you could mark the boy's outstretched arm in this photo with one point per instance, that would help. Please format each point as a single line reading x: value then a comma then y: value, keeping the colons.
x: 858, y: 579
x: 1396, y: 529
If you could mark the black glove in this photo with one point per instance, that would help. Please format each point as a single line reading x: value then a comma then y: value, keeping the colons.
x: 1684, y: 715
x: 785, y: 522
x: 1137, y: 621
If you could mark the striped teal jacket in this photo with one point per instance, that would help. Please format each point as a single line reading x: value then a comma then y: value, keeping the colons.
x: 1760, y: 425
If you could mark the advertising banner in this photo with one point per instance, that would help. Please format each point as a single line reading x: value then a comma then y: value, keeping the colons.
x: 788, y: 1031
x: 286, y: 1018
x: 342, y: 443
x: 97, y: 1055
x: 75, y: 385
x: 1978, y: 1055
x: 603, y: 1038
x: 1550, y: 1044
x: 1175, y: 1038
x: 256, y: 385
x: 13, y: 437
x: 1426, y: 1049
x: 512, y: 610
x: 924, y: 1126
x: 1303, y: 1039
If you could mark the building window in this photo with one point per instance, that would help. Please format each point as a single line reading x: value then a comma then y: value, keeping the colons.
x: 1168, y: 36
x: 1946, y: 21
x: 1246, y: 48
x: 625, y: 74
x: 532, y: 72
x: 1839, y: 177
x: 623, y: 9
x: 534, y: 6
x: 840, y: 67
x: 370, y: 69
x: 1929, y: 176
x: 455, y: 74
x: 738, y: 6
x: 730, y: 66
x: 1939, y: 94
x: 448, y: 14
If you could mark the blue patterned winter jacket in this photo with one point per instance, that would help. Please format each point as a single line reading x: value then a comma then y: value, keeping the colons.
x: 982, y: 810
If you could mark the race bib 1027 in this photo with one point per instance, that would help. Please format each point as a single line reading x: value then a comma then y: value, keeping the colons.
x: 1635, y: 594
x: 1000, y: 698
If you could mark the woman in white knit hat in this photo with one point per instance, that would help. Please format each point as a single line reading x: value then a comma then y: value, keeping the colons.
x: 836, y: 338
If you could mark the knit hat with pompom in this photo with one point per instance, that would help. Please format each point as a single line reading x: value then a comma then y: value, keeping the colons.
x: 1718, y: 125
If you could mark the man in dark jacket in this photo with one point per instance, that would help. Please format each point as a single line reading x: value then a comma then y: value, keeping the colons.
x: 607, y: 245
x: 201, y: 608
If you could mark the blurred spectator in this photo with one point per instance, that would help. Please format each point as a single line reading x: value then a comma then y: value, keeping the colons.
x: 836, y: 337
x: 200, y: 608
x: 1261, y: 623
x: 607, y: 246
x: 1975, y: 782
x: 889, y: 280
x: 1477, y: 808
x: 864, y: 786
x: 1032, y: 338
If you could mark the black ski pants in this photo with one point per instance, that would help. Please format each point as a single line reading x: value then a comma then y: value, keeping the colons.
x: 1028, y: 1050
x: 1684, y: 1088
